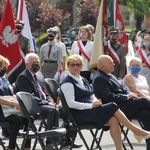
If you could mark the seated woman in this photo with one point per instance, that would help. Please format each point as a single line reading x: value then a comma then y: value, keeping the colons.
x: 136, y: 82
x: 82, y: 102
x: 11, y: 101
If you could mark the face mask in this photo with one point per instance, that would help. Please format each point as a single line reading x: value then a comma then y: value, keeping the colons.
x: 2, y: 72
x: 135, y: 70
x: 35, y: 68
x: 146, y: 44
x: 51, y: 37
x: 19, y: 30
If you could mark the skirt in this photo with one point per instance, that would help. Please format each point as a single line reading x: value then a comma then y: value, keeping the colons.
x: 49, y: 70
x: 96, y: 116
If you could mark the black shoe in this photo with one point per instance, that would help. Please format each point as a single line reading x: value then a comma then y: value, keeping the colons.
x: 49, y: 147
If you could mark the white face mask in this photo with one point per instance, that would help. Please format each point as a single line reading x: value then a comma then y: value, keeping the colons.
x: 146, y: 44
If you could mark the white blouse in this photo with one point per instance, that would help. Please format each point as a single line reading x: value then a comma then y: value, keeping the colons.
x: 68, y: 91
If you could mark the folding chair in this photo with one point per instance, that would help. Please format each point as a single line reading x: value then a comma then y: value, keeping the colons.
x: 77, y: 127
x: 30, y: 109
x: 52, y: 86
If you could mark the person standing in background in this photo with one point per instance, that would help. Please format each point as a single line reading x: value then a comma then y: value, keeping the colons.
x: 63, y: 47
x: 144, y: 54
x: 23, y: 40
x: 83, y: 46
x: 119, y: 53
x: 92, y: 29
x: 51, y: 56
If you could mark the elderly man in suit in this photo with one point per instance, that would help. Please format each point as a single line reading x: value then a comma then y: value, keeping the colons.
x: 27, y: 81
x: 108, y: 88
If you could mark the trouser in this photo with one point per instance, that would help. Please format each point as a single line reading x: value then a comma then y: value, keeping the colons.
x: 15, y: 122
x: 138, y: 109
x: 71, y: 133
x: 52, y: 116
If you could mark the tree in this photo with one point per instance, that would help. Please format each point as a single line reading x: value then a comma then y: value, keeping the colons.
x: 139, y: 8
x: 43, y: 15
x: 87, y: 12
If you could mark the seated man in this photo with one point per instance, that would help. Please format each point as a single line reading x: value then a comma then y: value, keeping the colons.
x: 107, y: 87
x: 27, y: 82
x: 82, y: 103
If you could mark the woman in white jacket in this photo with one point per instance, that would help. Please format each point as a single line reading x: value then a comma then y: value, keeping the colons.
x: 83, y: 46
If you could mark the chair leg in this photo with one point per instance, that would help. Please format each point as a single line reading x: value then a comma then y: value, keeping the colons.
x: 95, y: 139
x: 2, y: 144
x: 83, y: 139
x: 125, y: 136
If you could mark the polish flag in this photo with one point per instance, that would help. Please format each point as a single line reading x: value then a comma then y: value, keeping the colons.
x: 9, y: 45
x: 115, y: 19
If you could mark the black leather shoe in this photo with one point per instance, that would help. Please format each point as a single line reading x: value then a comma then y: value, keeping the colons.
x: 76, y: 146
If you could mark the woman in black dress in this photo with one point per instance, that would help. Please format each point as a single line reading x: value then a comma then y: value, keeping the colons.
x: 86, y: 108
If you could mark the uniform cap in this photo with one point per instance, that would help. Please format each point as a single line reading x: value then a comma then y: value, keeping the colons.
x: 112, y: 29
x: 51, y: 31
x: 19, y: 22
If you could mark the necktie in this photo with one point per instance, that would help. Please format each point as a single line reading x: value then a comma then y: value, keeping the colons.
x: 50, y: 47
x: 41, y: 94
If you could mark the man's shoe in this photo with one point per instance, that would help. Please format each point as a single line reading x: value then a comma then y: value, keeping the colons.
x: 49, y: 147
x: 76, y: 146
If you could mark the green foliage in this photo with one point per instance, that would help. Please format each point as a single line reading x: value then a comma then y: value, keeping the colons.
x: 140, y: 7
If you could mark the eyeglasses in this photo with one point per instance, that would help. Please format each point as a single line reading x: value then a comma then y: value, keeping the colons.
x: 77, y: 65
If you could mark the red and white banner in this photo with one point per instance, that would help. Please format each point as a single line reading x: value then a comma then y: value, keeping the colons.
x: 118, y: 22
x: 23, y: 15
x: 81, y: 48
x: 143, y: 55
x: 9, y: 45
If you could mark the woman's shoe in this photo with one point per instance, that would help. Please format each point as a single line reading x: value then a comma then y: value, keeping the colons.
x: 139, y: 138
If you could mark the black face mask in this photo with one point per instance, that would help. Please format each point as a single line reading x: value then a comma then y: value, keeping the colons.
x: 2, y: 72
x: 51, y: 37
x: 35, y: 68
x: 19, y: 30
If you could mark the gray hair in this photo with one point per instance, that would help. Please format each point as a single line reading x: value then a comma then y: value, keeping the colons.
x: 29, y: 57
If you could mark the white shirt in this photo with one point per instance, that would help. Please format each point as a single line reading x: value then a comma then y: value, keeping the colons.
x: 68, y: 91
x: 87, y: 49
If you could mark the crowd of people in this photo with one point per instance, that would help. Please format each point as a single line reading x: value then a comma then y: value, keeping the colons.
x: 109, y: 96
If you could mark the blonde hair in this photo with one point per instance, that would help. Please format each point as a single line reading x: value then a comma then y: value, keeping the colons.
x: 58, y: 32
x: 74, y: 57
x: 5, y: 60
x: 88, y: 30
x: 135, y: 59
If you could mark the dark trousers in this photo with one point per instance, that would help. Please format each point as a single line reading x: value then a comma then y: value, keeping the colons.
x: 52, y: 116
x: 16, y: 122
x: 138, y: 109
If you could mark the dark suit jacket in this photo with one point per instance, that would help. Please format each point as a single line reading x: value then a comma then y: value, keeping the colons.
x: 25, y: 83
x: 108, y: 89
